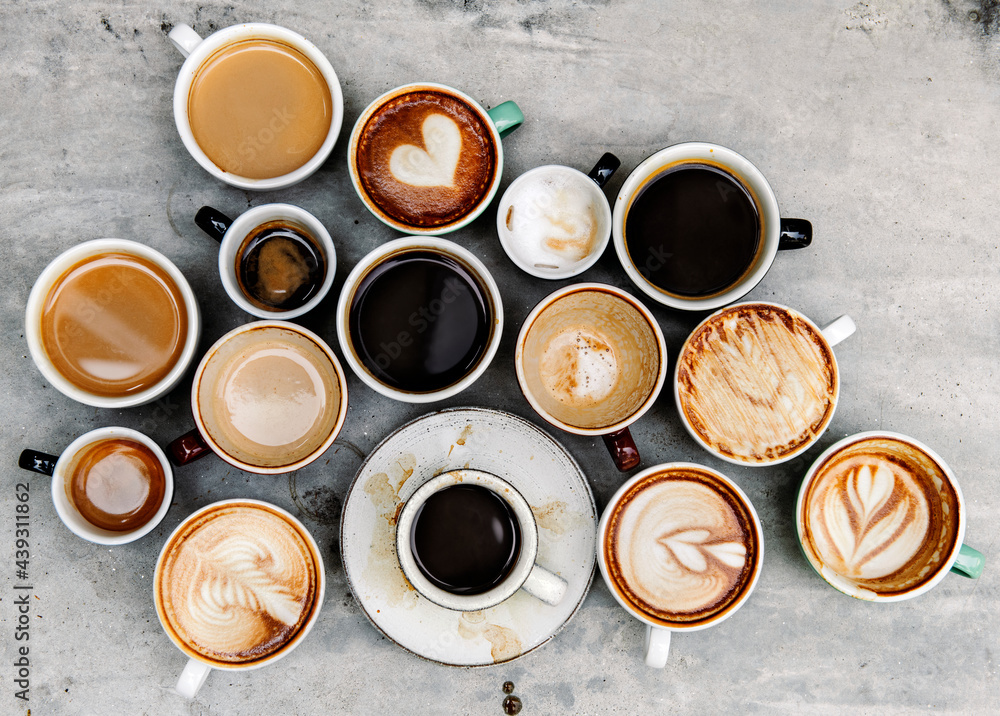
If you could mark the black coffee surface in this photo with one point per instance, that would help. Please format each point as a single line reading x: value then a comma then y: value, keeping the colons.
x: 420, y: 321
x: 693, y: 231
x: 280, y: 267
x: 465, y: 539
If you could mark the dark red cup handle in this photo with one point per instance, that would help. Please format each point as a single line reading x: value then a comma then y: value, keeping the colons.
x: 623, y: 450
x: 188, y: 448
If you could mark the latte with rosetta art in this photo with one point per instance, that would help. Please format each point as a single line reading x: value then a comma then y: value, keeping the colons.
x: 681, y: 547
x: 757, y: 383
x: 425, y: 158
x: 236, y: 584
x: 881, y: 515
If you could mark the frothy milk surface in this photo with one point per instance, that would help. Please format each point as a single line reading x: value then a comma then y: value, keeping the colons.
x: 237, y: 584
x: 579, y: 366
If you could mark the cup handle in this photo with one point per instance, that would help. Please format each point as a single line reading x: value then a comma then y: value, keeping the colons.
x: 543, y: 584
x: 795, y: 234
x: 187, y: 448
x: 969, y: 562
x: 40, y: 462
x: 213, y: 222
x: 605, y: 167
x: 507, y: 117
x: 840, y: 329
x: 622, y: 448
x: 657, y: 646
x: 184, y: 38
x: 192, y: 678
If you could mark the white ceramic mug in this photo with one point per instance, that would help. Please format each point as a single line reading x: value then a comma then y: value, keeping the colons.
x: 231, y: 233
x: 56, y: 269
x: 775, y: 233
x: 197, y: 49
x: 57, y: 467
x: 525, y: 574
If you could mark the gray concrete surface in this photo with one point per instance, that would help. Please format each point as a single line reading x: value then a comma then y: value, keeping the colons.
x: 878, y: 121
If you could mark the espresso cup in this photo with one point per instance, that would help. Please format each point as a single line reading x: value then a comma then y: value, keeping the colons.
x: 269, y: 397
x: 275, y: 260
x: 554, y: 221
x: 427, y: 159
x: 238, y: 585
x: 112, y: 323
x: 880, y: 517
x: 109, y: 486
x: 680, y: 549
x: 757, y: 383
x: 591, y: 360
x: 696, y: 226
x: 419, y: 319
x: 467, y: 540
x: 258, y: 106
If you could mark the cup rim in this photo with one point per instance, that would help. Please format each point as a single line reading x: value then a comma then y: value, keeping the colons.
x: 251, y: 219
x: 71, y: 516
x: 865, y: 594
x: 755, y: 182
x: 275, y: 469
x: 299, y: 636
x: 55, y: 270
x: 250, y: 31
x: 404, y: 245
x: 580, y: 266
x: 551, y: 299
x: 518, y: 574
x: 602, y: 529
x: 804, y: 446
x: 430, y: 231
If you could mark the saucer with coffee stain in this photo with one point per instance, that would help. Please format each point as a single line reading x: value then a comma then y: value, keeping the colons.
x: 482, y: 439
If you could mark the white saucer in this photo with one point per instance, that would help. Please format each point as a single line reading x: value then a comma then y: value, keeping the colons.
x: 484, y: 439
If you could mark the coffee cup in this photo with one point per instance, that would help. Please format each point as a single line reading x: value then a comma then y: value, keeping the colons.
x: 467, y: 540
x: 109, y: 486
x: 419, y: 319
x: 258, y: 106
x: 427, y: 159
x: 269, y: 397
x: 696, y: 226
x: 680, y: 548
x: 757, y: 383
x: 591, y: 360
x: 880, y: 517
x: 555, y: 222
x: 112, y: 323
x: 238, y: 585
x: 275, y: 260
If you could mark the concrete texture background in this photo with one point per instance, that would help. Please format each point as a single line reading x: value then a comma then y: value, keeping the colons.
x: 877, y: 121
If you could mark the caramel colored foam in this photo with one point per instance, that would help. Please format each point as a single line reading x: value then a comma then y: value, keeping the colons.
x: 237, y: 583
x: 757, y: 382
x: 426, y: 158
x: 259, y: 109
x: 680, y: 547
x: 882, y: 515
x: 114, y: 324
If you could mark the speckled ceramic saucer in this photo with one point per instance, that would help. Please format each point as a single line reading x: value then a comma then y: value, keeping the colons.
x: 505, y: 445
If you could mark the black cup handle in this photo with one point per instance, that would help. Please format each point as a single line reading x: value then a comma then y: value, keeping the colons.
x: 40, y: 462
x: 604, y: 168
x: 213, y: 222
x: 795, y: 234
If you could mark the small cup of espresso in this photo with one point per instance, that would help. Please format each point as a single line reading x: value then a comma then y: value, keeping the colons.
x: 696, y: 226
x: 419, y: 319
x: 467, y: 540
x: 275, y: 260
x: 880, y: 517
x: 258, y: 106
x: 109, y: 486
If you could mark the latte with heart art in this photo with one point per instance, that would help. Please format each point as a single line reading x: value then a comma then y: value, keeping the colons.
x: 425, y: 158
